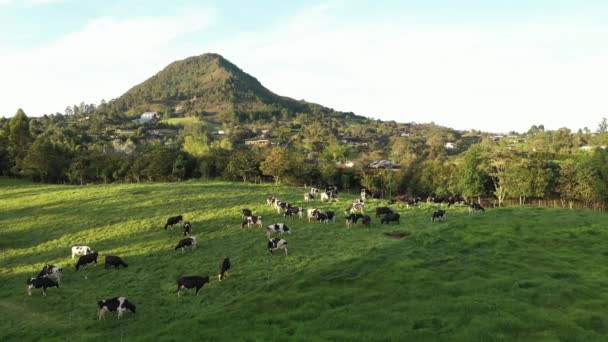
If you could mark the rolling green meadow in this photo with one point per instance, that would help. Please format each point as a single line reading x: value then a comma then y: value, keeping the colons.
x: 525, y: 274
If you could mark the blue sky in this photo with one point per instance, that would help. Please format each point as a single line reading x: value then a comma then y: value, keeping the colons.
x: 492, y: 65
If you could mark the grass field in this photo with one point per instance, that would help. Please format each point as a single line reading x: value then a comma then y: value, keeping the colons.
x: 526, y: 274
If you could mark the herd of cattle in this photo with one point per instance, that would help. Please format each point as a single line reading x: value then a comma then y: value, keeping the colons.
x: 50, y: 275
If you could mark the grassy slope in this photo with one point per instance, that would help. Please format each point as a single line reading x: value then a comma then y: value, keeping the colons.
x: 526, y: 274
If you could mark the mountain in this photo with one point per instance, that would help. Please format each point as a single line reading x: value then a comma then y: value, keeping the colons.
x: 210, y: 86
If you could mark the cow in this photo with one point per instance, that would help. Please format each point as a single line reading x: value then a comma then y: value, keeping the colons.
x: 276, y: 243
x: 313, y: 191
x: 439, y: 214
x: 246, y: 213
x: 312, y: 213
x: 383, y: 211
x: 45, y: 282
x: 52, y: 271
x: 366, y: 220
x: 308, y: 197
x: 277, y: 228
x: 187, y: 228
x: 324, y: 196
x: 332, y: 188
x: 352, y: 218
x: 173, y: 221
x: 185, y: 243
x: 118, y: 304
x: 270, y: 200
x: 224, y: 267
x: 331, y: 216
x: 356, y: 207
x: 390, y: 217
x: 475, y: 207
x: 251, y: 220
x: 291, y: 212
x: 322, y: 217
x: 190, y: 282
x: 114, y: 261
x: 81, y: 250
x: 87, y: 259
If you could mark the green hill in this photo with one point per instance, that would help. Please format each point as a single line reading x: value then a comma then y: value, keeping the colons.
x: 508, y: 274
x: 211, y: 86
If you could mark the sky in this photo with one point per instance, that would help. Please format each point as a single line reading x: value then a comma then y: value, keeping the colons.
x: 499, y: 66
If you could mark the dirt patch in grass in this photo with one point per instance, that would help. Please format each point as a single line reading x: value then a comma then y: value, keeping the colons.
x: 398, y: 234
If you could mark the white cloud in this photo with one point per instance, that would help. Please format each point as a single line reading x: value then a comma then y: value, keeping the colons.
x: 507, y: 78
x: 104, y: 59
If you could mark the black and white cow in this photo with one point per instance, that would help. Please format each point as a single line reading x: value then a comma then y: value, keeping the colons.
x: 312, y: 213
x: 116, y: 304
x: 45, y: 282
x: 190, y: 282
x: 331, y: 216
x: 246, y: 213
x: 308, y: 197
x: 81, y: 250
x: 276, y: 243
x: 173, y: 221
x: 114, y: 261
x: 439, y: 214
x: 476, y: 207
x: 352, y: 218
x: 185, y: 243
x: 294, y: 211
x: 390, y: 217
x: 187, y: 228
x: 270, y: 200
x: 314, y: 191
x: 224, y: 267
x: 322, y: 217
x: 251, y: 220
x: 87, y: 259
x: 383, y: 211
x: 357, y: 208
x: 53, y: 272
x: 277, y: 228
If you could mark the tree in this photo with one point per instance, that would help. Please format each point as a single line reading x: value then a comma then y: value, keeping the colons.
x: 19, y: 140
x: 242, y: 165
x: 567, y: 182
x: 602, y: 128
x: 276, y: 164
x: 471, y: 177
x: 43, y: 161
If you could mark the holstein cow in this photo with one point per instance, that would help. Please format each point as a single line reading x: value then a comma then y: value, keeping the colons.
x: 356, y: 207
x: 308, y: 197
x: 331, y: 216
x: 313, y: 191
x: 45, y: 282
x: 173, y: 220
x: 224, y: 267
x: 439, y: 214
x: 352, y: 218
x: 276, y: 243
x: 322, y: 217
x: 312, y: 213
x: 185, y: 243
x: 118, y: 304
x: 277, y: 228
x: 114, y: 261
x: 390, y: 217
x: 190, y: 282
x: 246, y: 213
x: 53, y: 272
x: 293, y: 211
x: 476, y: 207
x: 251, y: 220
x: 81, y: 250
x: 383, y: 211
x: 187, y: 228
x: 87, y: 259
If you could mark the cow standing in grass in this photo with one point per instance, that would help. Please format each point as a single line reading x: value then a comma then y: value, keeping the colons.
x: 185, y: 243
x: 439, y: 214
x: 53, y: 272
x: 43, y: 282
x: 276, y: 243
x: 87, y: 259
x: 224, y: 267
x: 191, y: 282
x: 173, y: 221
x: 116, y: 304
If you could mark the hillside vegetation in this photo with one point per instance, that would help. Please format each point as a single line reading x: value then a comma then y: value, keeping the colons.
x: 529, y: 274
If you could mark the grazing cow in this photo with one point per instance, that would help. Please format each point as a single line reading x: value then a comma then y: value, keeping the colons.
x: 312, y: 213
x: 45, y: 282
x: 322, y: 217
x: 475, y: 207
x: 324, y: 196
x: 276, y: 243
x: 356, y: 207
x: 332, y: 188
x: 173, y: 220
x: 118, y: 304
x: 270, y: 200
x: 87, y: 259
x: 390, y: 217
x: 190, y: 282
x: 291, y: 212
x: 277, y: 228
x: 352, y: 218
x: 366, y: 220
x: 224, y: 267
x: 246, y: 213
x: 115, y: 261
x: 185, y: 243
x: 439, y: 214
x: 52, y: 271
x: 313, y: 191
x: 187, y: 228
x: 81, y: 250
x: 383, y: 211
x: 308, y: 197
x: 251, y: 220
x: 331, y: 216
